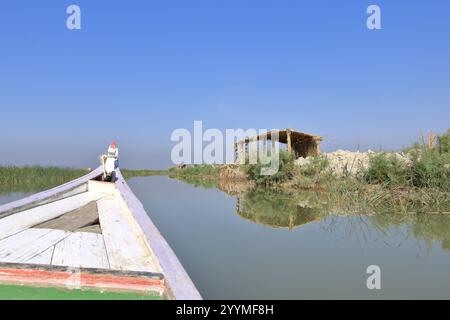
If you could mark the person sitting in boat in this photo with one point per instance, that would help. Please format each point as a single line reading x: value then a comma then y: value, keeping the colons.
x: 110, y: 162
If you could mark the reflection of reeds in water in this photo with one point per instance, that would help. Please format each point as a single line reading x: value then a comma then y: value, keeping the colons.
x: 392, y: 230
x: 280, y: 209
x: 355, y: 197
x: 277, y: 209
x: 430, y: 228
x: 234, y: 187
x: 365, y: 211
x: 205, y: 182
x: 345, y: 195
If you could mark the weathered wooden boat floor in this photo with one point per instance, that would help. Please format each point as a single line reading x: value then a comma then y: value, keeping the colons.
x: 88, y: 234
x: 77, y: 220
x: 93, y: 229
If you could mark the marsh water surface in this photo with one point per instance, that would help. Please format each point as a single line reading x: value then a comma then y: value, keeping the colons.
x: 262, y: 244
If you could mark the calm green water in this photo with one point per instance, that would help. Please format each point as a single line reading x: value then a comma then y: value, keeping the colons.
x: 267, y: 245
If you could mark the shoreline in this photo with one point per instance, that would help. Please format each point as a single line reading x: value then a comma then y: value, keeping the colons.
x: 414, y: 180
x: 355, y: 193
x: 345, y: 195
x: 38, y: 178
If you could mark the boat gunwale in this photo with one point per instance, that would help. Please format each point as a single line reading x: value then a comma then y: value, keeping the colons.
x: 47, y: 267
x: 41, y: 275
x: 179, y: 284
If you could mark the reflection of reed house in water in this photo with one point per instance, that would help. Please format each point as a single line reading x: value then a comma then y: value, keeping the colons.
x: 302, y: 144
x: 275, y: 210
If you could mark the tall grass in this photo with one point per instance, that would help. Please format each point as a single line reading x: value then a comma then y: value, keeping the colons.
x: 204, y: 175
x: 142, y: 173
x: 199, y: 170
x: 444, y: 142
x: 431, y: 169
x: 316, y: 167
x: 429, y: 166
x: 35, y: 178
x: 387, y: 169
x: 286, y: 171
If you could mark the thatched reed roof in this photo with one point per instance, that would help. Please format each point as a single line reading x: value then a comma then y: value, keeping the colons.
x: 283, y: 136
x: 303, y: 144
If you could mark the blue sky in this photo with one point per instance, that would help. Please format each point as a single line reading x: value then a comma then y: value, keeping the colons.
x: 137, y: 70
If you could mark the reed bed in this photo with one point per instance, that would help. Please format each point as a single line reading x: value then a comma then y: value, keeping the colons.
x: 142, y: 173
x: 35, y: 178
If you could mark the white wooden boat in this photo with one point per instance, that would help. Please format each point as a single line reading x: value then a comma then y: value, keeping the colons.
x: 89, y: 234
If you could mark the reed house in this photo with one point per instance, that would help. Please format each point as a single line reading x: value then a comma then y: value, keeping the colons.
x: 300, y: 143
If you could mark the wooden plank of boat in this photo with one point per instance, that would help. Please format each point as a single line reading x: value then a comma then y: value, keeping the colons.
x: 95, y: 228
x: 43, y: 257
x: 79, y: 218
x: 25, y: 219
x: 116, y: 203
x: 126, y: 250
x: 81, y: 249
x: 27, y: 244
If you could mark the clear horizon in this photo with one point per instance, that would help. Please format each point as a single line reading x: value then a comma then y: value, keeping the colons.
x: 137, y: 71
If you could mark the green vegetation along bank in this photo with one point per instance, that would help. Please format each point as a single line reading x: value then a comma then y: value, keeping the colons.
x: 416, y: 180
x: 35, y: 178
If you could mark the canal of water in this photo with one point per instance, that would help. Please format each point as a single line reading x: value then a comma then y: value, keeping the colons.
x: 260, y: 245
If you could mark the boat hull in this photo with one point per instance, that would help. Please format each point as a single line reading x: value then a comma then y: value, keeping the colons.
x: 136, y: 257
